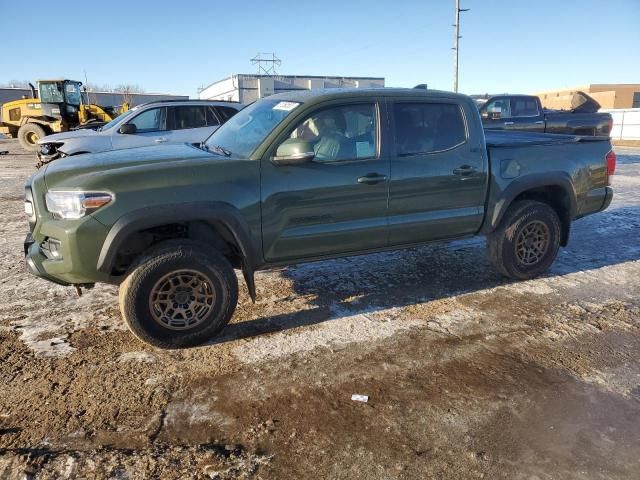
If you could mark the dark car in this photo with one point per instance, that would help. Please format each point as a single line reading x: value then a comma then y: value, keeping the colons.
x: 304, y: 176
x: 525, y: 112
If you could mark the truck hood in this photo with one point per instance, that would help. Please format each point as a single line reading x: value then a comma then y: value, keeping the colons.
x: 59, y: 137
x: 92, y: 164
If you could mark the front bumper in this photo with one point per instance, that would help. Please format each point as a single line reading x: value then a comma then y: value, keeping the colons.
x: 34, y: 258
x: 80, y: 242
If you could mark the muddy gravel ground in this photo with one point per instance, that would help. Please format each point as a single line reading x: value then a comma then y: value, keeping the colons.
x: 468, y: 375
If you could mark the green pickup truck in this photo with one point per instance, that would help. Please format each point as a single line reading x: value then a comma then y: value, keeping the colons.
x: 298, y: 177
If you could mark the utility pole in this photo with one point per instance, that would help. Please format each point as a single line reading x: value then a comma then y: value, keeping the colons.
x: 456, y: 44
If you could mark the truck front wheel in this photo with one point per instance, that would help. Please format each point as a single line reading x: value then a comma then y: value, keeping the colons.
x: 29, y: 134
x: 526, y: 242
x: 179, y: 295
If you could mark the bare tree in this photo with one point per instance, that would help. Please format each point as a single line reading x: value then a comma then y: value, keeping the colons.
x: 15, y: 84
x: 127, y: 91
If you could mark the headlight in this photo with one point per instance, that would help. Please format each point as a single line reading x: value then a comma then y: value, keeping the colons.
x: 75, y: 204
x: 49, y: 148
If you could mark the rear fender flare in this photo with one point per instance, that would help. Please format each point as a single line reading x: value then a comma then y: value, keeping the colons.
x: 523, y: 184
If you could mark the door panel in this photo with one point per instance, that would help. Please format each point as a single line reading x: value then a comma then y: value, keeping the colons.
x: 151, y: 130
x: 336, y: 203
x: 438, y: 181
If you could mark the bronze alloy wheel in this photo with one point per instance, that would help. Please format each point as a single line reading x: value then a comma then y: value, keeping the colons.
x: 181, y: 299
x: 532, y: 243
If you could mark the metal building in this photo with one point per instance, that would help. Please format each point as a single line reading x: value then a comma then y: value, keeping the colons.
x: 246, y: 88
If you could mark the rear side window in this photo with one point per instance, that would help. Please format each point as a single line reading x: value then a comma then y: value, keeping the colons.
x: 212, y: 118
x: 188, y: 116
x: 428, y: 127
x: 524, y: 107
x: 226, y: 112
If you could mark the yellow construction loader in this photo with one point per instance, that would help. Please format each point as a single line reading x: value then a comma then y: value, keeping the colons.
x: 59, y: 106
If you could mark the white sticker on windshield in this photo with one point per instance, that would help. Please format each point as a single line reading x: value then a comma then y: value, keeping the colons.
x: 286, y: 106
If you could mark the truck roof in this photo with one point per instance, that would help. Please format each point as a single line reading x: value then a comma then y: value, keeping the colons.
x: 305, y: 96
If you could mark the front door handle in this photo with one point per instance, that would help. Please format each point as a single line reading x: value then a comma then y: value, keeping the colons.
x: 372, y: 178
x: 508, y: 124
x: 464, y: 170
x: 160, y: 140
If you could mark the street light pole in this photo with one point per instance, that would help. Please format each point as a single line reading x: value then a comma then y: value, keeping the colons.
x: 456, y: 44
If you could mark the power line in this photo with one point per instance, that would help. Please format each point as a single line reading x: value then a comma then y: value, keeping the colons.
x: 456, y: 43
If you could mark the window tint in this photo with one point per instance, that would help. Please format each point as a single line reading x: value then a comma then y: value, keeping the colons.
x: 524, y: 107
x: 427, y: 127
x: 188, y: 116
x: 341, y: 133
x: 226, y: 112
x: 150, y: 120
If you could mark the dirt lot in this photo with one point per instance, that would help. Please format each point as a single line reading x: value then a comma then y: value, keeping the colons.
x: 468, y: 375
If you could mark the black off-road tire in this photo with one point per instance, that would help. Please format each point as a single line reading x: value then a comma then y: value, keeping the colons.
x: 136, y: 290
x: 29, y: 134
x: 503, y: 243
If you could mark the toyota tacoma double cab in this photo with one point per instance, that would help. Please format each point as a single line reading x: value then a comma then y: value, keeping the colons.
x: 298, y: 177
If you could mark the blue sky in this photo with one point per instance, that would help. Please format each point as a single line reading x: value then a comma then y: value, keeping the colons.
x: 175, y: 47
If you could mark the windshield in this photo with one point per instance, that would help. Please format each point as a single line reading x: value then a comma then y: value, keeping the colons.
x: 112, y: 123
x: 242, y: 134
x: 51, y: 93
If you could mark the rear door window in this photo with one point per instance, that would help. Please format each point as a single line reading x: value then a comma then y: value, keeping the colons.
x: 524, y: 107
x: 428, y: 127
x: 188, y: 116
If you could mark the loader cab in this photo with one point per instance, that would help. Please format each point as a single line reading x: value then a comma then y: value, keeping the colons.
x: 61, y: 99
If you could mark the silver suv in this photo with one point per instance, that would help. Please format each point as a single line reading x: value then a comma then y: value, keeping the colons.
x: 155, y: 123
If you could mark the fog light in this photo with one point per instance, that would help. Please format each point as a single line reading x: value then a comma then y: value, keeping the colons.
x: 52, y: 249
x: 55, y: 247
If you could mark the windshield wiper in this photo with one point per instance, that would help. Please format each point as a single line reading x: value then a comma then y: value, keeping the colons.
x: 220, y: 150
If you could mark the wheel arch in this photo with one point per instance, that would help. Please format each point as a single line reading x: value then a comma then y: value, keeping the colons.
x: 553, y: 188
x: 212, y: 220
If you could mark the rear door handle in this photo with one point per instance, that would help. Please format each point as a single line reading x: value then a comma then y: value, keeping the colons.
x: 372, y: 178
x: 539, y: 122
x: 464, y: 170
x: 508, y: 124
x: 160, y: 140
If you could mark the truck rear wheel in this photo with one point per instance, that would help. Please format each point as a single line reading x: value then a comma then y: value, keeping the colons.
x: 527, y: 241
x: 29, y: 134
x: 179, y: 295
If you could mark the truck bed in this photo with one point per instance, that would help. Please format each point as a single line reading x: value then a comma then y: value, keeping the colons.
x: 510, y: 138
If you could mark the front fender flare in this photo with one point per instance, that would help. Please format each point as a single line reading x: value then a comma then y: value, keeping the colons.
x: 144, y: 218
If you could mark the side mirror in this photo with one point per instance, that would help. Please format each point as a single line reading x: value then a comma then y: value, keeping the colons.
x: 293, y: 151
x: 128, y: 129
